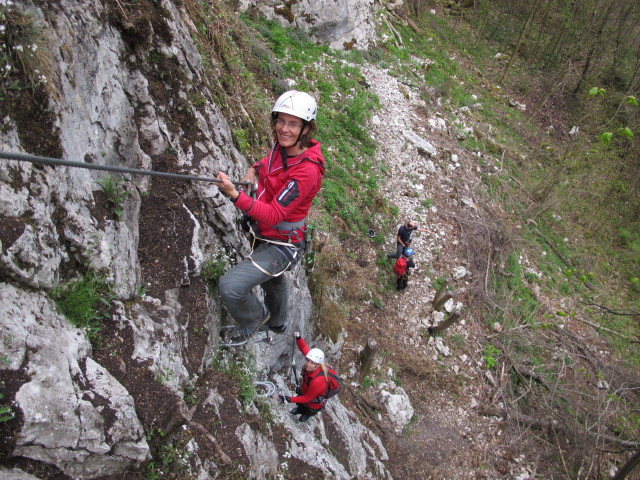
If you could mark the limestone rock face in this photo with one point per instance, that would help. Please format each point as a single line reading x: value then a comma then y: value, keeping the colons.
x: 361, y: 453
x: 342, y: 24
x: 75, y: 414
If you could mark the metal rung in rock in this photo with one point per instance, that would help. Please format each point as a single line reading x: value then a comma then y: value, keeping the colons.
x: 267, y: 338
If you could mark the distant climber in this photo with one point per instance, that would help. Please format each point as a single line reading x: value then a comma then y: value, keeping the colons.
x: 403, y: 237
x: 288, y: 179
x: 319, y: 383
x: 401, y: 269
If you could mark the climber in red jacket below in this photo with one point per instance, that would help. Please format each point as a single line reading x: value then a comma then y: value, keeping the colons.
x: 287, y: 179
x: 319, y: 382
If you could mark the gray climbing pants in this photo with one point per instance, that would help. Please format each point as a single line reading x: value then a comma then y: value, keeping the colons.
x: 236, y: 286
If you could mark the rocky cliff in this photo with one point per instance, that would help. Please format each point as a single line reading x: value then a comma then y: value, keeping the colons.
x: 92, y: 401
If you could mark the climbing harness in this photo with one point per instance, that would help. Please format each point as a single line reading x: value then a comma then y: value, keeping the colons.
x: 289, y: 250
x: 22, y: 157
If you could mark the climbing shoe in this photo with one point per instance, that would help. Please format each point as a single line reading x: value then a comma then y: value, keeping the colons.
x: 304, y: 418
x: 279, y: 329
x: 241, y: 334
x: 294, y: 411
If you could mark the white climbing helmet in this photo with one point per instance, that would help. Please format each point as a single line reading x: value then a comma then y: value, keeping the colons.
x: 298, y: 104
x: 315, y: 355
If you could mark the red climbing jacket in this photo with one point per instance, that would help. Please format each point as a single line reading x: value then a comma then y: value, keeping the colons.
x: 284, y: 194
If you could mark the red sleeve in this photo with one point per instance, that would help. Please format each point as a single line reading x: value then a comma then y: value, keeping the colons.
x: 302, y: 345
x: 295, y: 191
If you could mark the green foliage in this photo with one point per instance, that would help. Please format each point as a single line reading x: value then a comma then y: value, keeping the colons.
x: 84, y: 303
x: 491, y: 355
x: 596, y: 91
x: 437, y: 283
x: 408, y: 428
x: 164, y: 375
x: 212, y: 269
x: 6, y: 413
x: 368, y: 382
x: 115, y: 192
x: 515, y: 290
x: 239, y: 367
x: 238, y: 65
x: 170, y: 455
x: 605, y: 137
x: 241, y: 140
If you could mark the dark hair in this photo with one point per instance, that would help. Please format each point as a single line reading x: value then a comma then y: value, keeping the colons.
x: 305, y: 140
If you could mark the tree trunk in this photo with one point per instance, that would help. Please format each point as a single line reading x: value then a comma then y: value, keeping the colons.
x: 453, y: 318
x: 366, y: 357
x: 520, y: 38
x: 595, y: 44
x: 440, y: 297
x: 628, y: 467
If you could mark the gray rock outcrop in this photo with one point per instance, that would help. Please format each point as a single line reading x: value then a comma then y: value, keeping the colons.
x: 75, y: 414
x: 342, y: 24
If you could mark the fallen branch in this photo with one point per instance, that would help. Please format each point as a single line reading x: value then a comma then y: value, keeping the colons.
x: 600, y: 327
x: 637, y: 314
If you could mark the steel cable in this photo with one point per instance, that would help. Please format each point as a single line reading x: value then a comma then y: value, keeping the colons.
x: 23, y: 157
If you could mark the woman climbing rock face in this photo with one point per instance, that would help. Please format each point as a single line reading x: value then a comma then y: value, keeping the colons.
x: 288, y: 179
x: 319, y: 382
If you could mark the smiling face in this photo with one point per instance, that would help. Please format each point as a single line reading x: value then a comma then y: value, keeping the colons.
x: 310, y: 366
x: 288, y: 130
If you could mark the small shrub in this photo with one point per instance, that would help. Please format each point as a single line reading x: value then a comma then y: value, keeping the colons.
x: 368, y: 382
x: 25, y: 62
x: 116, y: 194
x: 241, y: 140
x: 212, y: 269
x: 239, y: 368
x: 437, y: 283
x: 491, y: 355
x: 408, y: 428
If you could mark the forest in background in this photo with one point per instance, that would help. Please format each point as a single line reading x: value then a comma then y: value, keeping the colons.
x: 584, y: 60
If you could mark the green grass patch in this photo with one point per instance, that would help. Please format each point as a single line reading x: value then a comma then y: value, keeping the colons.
x: 85, y: 303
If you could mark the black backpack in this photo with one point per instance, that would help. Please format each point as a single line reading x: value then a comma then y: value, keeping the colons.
x: 333, y: 386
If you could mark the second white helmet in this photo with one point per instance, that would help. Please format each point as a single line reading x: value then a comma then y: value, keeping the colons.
x: 298, y: 104
x: 316, y: 355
